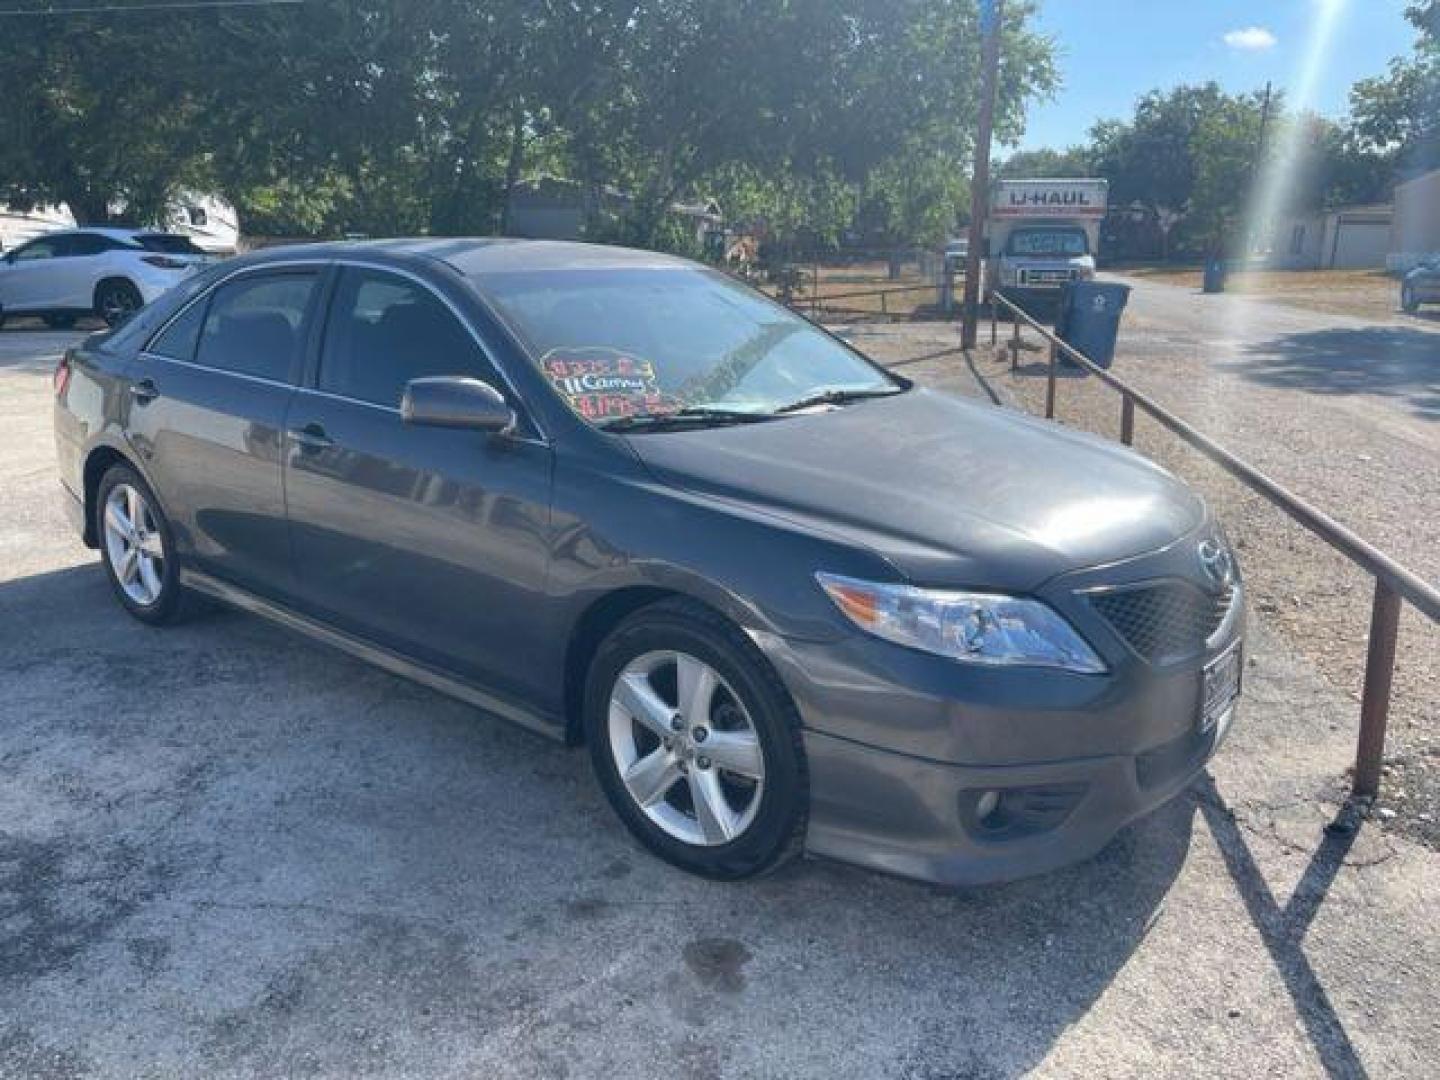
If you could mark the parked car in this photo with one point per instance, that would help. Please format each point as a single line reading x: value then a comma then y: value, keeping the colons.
x: 1421, y: 285
x: 787, y: 599
x: 111, y: 273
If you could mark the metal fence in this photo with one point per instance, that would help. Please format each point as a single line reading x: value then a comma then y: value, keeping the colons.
x: 1394, y: 583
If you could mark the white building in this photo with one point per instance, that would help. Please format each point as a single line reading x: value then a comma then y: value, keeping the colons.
x: 1415, y: 230
x: 21, y: 226
x: 1346, y: 238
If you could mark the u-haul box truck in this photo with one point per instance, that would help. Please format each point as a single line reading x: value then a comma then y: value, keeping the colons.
x: 1043, y: 234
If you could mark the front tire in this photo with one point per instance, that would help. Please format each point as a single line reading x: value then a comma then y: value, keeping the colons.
x: 137, y: 547
x: 1409, y: 302
x: 696, y: 742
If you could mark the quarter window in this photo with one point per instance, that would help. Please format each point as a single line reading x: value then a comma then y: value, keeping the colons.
x: 385, y: 330
x: 82, y: 244
x: 179, y: 339
x: 254, y: 325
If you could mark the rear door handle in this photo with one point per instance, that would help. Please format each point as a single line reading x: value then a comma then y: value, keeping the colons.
x: 311, y: 437
x: 144, y: 392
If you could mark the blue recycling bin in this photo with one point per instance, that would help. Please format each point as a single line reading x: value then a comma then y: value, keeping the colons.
x: 1090, y: 318
x: 1215, y: 271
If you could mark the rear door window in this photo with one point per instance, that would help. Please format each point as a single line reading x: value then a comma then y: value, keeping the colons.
x: 385, y: 330
x: 255, y: 325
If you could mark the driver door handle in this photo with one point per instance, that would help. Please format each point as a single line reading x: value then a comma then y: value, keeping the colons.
x: 311, y: 437
x: 144, y: 392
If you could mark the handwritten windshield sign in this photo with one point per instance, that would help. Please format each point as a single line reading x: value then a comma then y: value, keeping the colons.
x: 601, y: 383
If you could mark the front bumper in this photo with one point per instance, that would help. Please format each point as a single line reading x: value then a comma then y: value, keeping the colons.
x: 906, y: 750
x: 918, y: 818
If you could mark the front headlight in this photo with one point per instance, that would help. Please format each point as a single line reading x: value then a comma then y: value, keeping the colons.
x: 979, y: 628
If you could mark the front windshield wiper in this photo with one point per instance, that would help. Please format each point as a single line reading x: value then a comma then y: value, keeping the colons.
x: 691, y: 416
x: 836, y: 396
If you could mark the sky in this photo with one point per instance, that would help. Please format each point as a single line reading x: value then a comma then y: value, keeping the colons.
x: 1113, y: 51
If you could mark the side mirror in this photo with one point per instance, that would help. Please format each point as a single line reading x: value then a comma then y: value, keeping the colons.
x: 456, y: 401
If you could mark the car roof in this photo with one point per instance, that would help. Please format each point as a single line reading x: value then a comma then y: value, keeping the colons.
x: 475, y: 256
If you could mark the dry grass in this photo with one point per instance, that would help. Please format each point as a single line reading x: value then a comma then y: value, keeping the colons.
x: 1369, y: 294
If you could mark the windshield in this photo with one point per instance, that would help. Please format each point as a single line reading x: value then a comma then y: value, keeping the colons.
x: 1066, y: 242
x: 619, y: 343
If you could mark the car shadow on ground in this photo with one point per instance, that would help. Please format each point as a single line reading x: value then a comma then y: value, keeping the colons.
x: 223, y: 814
x: 1283, y: 929
x: 1394, y: 362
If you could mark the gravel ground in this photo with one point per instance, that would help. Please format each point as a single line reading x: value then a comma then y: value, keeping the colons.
x: 1357, y: 433
x: 227, y: 852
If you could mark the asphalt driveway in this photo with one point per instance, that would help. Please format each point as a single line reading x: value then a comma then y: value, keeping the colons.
x: 226, y: 851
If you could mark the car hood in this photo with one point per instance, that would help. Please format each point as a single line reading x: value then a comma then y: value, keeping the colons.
x: 951, y: 492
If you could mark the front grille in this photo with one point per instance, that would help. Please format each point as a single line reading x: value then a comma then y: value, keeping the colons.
x: 1164, y: 621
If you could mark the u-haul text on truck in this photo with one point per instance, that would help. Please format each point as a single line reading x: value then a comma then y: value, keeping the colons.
x: 1043, y: 234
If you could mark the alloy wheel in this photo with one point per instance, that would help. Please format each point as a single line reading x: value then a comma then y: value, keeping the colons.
x: 117, y: 304
x: 133, y: 545
x: 686, y: 748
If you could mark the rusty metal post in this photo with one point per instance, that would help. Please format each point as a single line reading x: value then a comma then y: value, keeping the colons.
x: 1127, y: 420
x: 1014, y: 342
x: 994, y: 322
x: 1050, y: 383
x: 1375, y: 702
x: 884, y: 303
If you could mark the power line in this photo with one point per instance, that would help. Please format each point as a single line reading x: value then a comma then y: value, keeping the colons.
x: 151, y: 5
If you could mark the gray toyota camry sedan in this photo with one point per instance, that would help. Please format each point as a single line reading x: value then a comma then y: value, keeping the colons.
x: 789, y: 602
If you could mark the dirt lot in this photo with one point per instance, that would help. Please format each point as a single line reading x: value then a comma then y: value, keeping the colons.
x: 227, y: 852
x: 1367, y: 294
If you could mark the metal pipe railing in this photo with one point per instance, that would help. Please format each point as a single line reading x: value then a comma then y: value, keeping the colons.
x: 1394, y: 583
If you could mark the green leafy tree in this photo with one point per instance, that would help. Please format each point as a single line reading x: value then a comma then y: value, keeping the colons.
x: 1225, y: 149
x: 104, y: 115
x: 384, y: 116
x: 1398, y: 113
x: 1043, y: 164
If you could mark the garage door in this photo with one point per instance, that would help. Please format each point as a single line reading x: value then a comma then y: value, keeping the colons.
x: 1360, y: 244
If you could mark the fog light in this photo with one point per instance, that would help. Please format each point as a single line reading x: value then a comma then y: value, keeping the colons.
x: 986, y: 804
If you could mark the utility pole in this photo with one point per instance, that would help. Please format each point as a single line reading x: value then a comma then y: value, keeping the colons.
x: 992, y: 13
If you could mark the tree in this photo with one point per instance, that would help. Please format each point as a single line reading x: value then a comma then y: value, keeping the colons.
x: 1398, y: 113
x: 1225, y: 150
x: 1046, y: 164
x: 384, y: 116
x: 99, y: 114
x: 1151, y: 160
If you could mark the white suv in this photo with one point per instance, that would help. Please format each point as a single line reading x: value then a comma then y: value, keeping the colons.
x: 111, y: 273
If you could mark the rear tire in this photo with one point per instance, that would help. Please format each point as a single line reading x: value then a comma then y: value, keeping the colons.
x: 116, y: 300
x: 60, y: 321
x: 137, y: 547
x: 729, y: 790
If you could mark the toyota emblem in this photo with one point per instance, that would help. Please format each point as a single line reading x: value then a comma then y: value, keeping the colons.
x: 1216, y: 562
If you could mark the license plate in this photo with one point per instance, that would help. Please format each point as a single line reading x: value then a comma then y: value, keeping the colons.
x: 1221, y: 686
